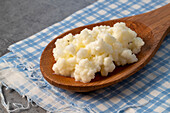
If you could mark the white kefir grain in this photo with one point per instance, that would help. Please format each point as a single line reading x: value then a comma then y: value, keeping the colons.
x: 96, y: 50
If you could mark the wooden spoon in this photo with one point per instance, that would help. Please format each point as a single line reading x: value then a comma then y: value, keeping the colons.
x: 152, y: 27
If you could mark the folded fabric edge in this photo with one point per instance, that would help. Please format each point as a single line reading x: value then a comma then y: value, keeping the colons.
x: 2, y: 83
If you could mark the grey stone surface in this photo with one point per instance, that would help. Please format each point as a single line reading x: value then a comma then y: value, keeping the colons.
x: 20, y: 19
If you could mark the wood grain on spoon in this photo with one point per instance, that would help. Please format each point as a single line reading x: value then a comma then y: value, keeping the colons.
x: 152, y: 27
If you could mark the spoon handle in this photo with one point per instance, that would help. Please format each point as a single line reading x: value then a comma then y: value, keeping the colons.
x: 158, y: 20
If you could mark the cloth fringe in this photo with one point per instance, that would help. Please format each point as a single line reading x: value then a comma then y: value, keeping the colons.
x: 6, y: 104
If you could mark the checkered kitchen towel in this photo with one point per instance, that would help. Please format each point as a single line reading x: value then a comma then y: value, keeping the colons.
x: 146, y: 91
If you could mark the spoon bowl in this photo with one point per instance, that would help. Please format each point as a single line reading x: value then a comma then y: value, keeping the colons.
x: 151, y: 27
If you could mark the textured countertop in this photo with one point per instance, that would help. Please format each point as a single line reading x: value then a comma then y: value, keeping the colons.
x: 20, y: 19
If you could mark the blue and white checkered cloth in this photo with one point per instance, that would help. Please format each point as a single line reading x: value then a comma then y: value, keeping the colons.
x: 146, y: 91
